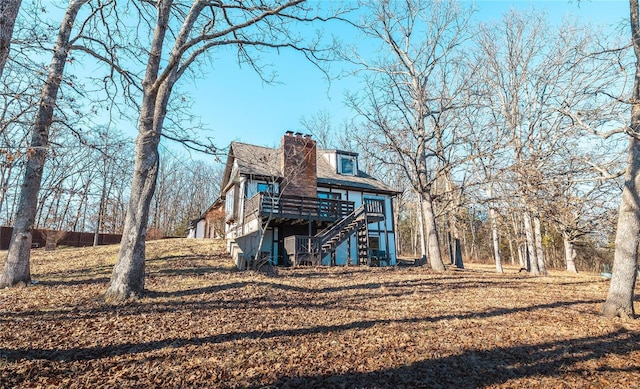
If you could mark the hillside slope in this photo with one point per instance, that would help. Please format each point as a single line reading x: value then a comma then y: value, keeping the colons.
x: 205, y: 324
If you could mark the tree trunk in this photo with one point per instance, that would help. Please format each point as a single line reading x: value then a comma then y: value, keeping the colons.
x: 17, y: 268
x: 431, y: 229
x: 101, y: 211
x: 511, y: 250
x: 127, y: 279
x: 474, y: 249
x: 625, y: 263
x: 465, y: 244
x: 456, y: 248
x: 423, y: 234
x: 539, y: 249
x: 569, y: 253
x: 531, y: 245
x: 128, y: 276
x: 447, y: 236
x: 517, y: 237
x: 415, y: 231
x: 8, y: 13
x: 495, y: 237
x: 11, y: 210
x: 521, y: 257
x: 81, y: 206
x: 4, y: 185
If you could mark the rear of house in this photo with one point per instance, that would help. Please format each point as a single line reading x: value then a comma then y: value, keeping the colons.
x: 298, y: 204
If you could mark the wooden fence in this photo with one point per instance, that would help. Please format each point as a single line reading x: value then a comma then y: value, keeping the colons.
x: 75, y: 239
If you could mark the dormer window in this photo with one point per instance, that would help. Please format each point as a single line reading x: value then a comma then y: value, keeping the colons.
x: 347, y: 165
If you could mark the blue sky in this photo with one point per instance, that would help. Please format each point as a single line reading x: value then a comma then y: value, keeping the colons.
x: 234, y: 104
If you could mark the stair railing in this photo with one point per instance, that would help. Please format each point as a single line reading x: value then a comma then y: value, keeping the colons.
x: 336, y: 227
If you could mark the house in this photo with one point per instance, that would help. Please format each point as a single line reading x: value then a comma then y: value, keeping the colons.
x: 197, y: 228
x: 210, y: 224
x: 298, y: 204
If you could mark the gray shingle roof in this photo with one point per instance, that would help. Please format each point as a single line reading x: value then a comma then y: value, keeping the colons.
x: 257, y: 160
x: 265, y: 161
x: 327, y: 175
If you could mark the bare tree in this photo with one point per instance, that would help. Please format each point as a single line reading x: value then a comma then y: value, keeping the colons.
x: 8, y: 14
x: 19, y: 95
x: 409, y: 91
x: 203, y: 26
x: 580, y: 198
x: 17, y: 267
x: 625, y: 265
x: 535, y: 78
x: 112, y: 147
x: 510, y: 52
x: 184, y: 191
x: 319, y: 125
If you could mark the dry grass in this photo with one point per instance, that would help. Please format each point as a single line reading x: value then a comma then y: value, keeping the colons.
x: 203, y: 324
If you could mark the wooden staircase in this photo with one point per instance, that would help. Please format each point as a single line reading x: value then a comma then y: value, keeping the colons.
x: 363, y: 246
x: 303, y: 249
x: 355, y: 222
x: 338, y: 232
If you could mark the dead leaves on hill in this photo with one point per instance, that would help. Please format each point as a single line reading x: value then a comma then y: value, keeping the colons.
x: 203, y: 324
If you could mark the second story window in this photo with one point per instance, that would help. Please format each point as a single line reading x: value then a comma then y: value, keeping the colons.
x: 347, y: 165
x: 329, y: 195
x: 267, y: 188
x: 230, y: 204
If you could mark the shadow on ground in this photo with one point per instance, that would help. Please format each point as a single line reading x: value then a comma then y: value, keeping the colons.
x: 473, y: 368
x: 470, y: 369
x: 90, y: 353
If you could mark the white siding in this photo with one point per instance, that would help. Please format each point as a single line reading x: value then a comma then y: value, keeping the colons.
x: 356, y: 197
x: 200, y: 225
x: 330, y: 156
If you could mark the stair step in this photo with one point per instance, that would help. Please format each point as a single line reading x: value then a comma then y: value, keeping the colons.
x: 354, y: 224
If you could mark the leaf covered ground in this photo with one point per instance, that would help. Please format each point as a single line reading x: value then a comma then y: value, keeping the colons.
x: 203, y: 324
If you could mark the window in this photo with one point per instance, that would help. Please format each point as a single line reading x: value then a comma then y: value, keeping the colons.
x: 329, y: 208
x: 229, y: 204
x: 329, y: 195
x: 347, y: 165
x: 374, y: 249
x: 268, y: 188
x: 374, y: 243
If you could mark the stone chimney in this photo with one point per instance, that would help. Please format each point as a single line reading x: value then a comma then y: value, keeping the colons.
x: 298, y: 165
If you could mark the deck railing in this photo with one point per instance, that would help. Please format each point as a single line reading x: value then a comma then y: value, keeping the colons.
x: 303, y: 249
x: 374, y: 207
x: 297, y: 207
x: 309, y: 249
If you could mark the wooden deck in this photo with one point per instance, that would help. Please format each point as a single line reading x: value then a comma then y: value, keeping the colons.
x: 302, y: 249
x: 282, y: 207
